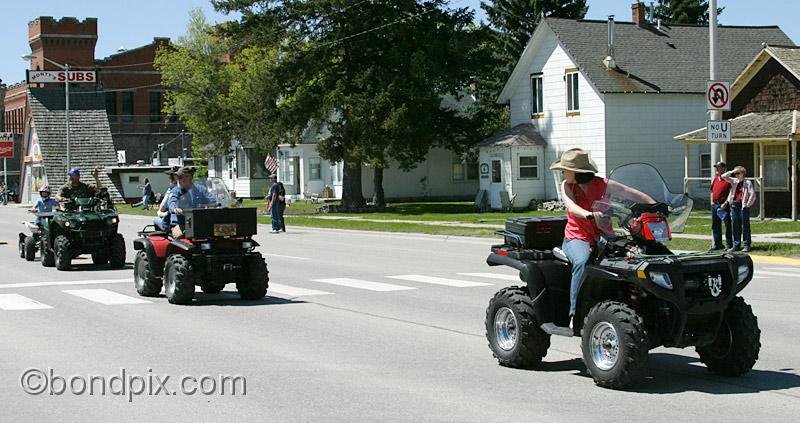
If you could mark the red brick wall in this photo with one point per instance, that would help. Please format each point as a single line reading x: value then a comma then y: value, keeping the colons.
x: 66, y: 40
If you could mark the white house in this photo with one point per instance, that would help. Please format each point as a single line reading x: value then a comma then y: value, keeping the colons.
x: 619, y: 90
x: 242, y: 170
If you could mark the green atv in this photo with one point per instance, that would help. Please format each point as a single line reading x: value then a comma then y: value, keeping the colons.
x: 85, y: 226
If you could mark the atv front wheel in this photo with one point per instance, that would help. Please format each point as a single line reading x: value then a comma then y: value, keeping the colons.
x: 117, y: 256
x: 30, y: 248
x: 63, y: 252
x: 145, y: 283
x: 735, y: 350
x: 48, y: 257
x: 513, y: 331
x: 21, y: 246
x: 178, y: 280
x: 614, y: 345
x: 254, y: 279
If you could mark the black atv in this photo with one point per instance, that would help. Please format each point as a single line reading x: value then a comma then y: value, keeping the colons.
x: 85, y: 226
x: 636, y: 294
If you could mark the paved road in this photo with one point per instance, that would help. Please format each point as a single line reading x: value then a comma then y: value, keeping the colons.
x: 347, y: 335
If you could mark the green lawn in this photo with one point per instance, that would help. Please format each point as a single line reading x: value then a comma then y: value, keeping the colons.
x: 700, y: 223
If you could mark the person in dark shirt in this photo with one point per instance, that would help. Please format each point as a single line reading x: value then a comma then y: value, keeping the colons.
x: 720, y: 209
x: 74, y: 188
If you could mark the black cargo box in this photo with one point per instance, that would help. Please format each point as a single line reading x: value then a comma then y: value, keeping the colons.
x: 538, y: 233
x: 206, y: 223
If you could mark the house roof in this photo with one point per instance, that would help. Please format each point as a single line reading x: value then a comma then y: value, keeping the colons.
x: 671, y: 60
x: 522, y: 134
x: 90, y: 135
x: 786, y: 56
x: 753, y: 126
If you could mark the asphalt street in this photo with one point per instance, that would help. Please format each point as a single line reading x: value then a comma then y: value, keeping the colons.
x: 357, y: 327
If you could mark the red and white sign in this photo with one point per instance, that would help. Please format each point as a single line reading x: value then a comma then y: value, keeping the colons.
x: 6, y: 149
x: 43, y: 77
x: 718, y: 95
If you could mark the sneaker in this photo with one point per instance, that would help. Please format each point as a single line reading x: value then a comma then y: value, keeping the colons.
x: 274, y: 231
x: 746, y: 249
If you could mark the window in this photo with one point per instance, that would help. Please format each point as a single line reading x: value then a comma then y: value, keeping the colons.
x: 464, y: 169
x: 218, y: 167
x: 111, y: 105
x: 155, y: 106
x: 133, y: 179
x: 571, y: 78
x: 776, y: 165
x: 528, y: 167
x: 127, y: 106
x: 242, y: 164
x: 536, y: 95
x: 705, y: 165
x: 314, y: 168
x: 496, y: 175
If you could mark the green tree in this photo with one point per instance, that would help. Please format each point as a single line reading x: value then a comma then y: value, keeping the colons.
x: 372, y: 74
x: 683, y: 11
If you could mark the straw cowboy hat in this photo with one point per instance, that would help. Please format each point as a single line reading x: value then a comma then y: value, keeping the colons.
x: 575, y: 160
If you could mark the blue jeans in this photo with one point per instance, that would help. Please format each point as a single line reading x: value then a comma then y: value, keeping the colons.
x: 144, y: 202
x: 716, y: 229
x: 277, y: 216
x: 741, y: 225
x: 577, y: 251
x: 160, y: 223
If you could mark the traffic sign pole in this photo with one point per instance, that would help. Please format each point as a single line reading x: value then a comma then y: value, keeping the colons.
x: 714, y: 74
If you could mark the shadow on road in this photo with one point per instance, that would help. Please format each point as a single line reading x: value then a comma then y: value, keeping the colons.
x: 231, y: 298
x: 673, y: 374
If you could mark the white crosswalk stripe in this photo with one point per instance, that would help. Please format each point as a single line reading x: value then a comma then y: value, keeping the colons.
x: 362, y: 284
x: 438, y: 281
x: 293, y: 291
x: 20, y: 302
x: 500, y: 276
x: 104, y: 296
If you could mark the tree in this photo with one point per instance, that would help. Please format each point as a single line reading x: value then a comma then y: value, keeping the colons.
x: 683, y: 11
x: 373, y: 76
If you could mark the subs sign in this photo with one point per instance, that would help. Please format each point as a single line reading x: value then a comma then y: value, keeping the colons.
x: 718, y: 131
x: 43, y: 77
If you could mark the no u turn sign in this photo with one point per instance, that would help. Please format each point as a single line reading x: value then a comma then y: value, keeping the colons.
x: 718, y: 95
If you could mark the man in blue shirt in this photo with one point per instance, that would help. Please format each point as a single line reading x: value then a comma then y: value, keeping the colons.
x: 187, y: 195
x: 44, y: 204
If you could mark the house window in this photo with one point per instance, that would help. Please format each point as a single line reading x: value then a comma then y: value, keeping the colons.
x: 571, y: 78
x: 776, y: 167
x: 127, y: 106
x: 464, y: 169
x: 155, y: 106
x: 314, y: 168
x: 242, y: 163
x: 111, y: 105
x: 218, y: 167
x: 133, y: 179
x: 496, y: 176
x: 705, y: 165
x: 536, y: 95
x: 528, y: 167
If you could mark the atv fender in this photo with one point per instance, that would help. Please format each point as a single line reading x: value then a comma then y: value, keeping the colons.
x: 181, y: 245
x: 22, y: 237
x: 532, y: 276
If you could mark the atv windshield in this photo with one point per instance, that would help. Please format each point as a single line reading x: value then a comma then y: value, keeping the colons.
x: 632, y: 188
x: 216, y: 187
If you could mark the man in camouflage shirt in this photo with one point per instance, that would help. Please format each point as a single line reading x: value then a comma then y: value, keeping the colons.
x: 74, y: 188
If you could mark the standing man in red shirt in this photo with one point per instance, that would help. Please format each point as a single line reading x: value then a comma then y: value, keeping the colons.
x: 719, y: 206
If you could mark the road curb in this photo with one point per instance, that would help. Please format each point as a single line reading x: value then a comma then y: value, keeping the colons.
x: 786, y: 261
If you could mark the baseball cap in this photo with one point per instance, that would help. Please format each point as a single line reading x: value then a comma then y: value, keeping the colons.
x: 173, y: 170
x: 74, y: 171
x: 721, y: 164
x: 186, y: 170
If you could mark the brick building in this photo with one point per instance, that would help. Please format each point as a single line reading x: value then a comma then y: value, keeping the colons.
x: 127, y: 92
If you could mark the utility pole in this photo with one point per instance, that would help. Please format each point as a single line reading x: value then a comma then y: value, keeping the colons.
x: 713, y: 44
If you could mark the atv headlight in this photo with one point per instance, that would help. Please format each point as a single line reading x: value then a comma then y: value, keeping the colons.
x: 114, y: 220
x: 661, y: 279
x: 743, y: 273
x: 205, y: 246
x: 67, y: 224
x: 247, y: 245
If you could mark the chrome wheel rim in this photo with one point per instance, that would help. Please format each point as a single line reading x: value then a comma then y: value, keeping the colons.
x: 505, y: 328
x: 138, y: 279
x: 169, y: 282
x: 605, y: 346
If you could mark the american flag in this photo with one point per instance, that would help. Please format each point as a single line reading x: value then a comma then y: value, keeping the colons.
x: 271, y: 164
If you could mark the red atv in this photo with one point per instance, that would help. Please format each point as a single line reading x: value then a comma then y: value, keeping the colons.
x: 218, y: 249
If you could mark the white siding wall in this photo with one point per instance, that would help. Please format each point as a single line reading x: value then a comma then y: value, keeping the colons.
x: 641, y: 127
x: 561, y: 132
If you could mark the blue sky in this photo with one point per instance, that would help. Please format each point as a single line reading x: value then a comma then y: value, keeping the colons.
x: 134, y: 23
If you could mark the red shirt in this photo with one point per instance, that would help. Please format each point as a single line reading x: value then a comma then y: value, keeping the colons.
x: 737, y: 195
x: 719, y: 189
x: 577, y: 226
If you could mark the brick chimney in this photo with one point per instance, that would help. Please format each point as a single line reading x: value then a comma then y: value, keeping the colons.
x: 638, y: 11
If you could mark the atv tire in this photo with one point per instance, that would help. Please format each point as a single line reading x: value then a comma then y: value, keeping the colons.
x: 21, y: 246
x: 178, y: 280
x: 117, y: 255
x: 30, y: 248
x: 513, y: 331
x: 254, y: 280
x: 100, y: 258
x: 146, y: 284
x: 735, y: 350
x: 48, y: 256
x: 63, y: 252
x: 614, y: 345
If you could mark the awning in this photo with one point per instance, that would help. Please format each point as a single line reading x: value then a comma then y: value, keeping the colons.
x: 752, y: 127
x: 522, y: 134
